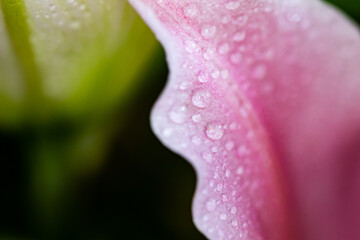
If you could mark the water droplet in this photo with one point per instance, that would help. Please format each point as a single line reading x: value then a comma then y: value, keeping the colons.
x: 259, y: 72
x: 229, y: 145
x: 239, y: 36
x: 191, y: 10
x: 243, y: 151
x: 240, y: 171
x: 225, y: 19
x: 234, y: 223
x: 214, y: 131
x: 232, y: 4
x: 201, y: 98
x: 203, y: 77
x: 207, y: 157
x: 75, y: 25
x: 215, y: 74
x: 242, y: 20
x: 232, y: 126
x: 178, y: 114
x: 167, y: 132
x: 233, y: 210
x: 196, y: 140
x: 184, y: 85
x: 225, y: 73
x: 208, y: 31
x: 224, y: 48
x: 211, y: 205
x: 223, y: 217
x: 191, y: 47
x: 209, y: 54
x: 82, y: 7
x: 196, y: 118
x: 236, y: 58
x: 214, y: 149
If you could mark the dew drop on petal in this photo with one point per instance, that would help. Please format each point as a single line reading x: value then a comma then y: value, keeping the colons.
x: 196, y: 118
x: 203, y: 77
x: 201, y: 98
x: 214, y: 131
x: 223, y: 217
x: 240, y: 171
x: 196, y: 140
x: 259, y: 72
x: 208, y: 31
x: 207, y: 156
x: 178, y: 114
x: 229, y: 145
x: 211, y: 205
x: 191, y: 46
x: 239, y: 36
x: 191, y: 10
x: 232, y: 4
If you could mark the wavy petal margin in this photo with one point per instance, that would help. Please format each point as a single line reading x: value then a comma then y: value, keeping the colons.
x: 263, y: 99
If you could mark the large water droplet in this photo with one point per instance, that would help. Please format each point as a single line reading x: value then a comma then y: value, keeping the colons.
x: 214, y: 131
x: 201, y: 98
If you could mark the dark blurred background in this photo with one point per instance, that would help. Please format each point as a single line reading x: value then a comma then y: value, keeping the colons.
x: 139, y: 191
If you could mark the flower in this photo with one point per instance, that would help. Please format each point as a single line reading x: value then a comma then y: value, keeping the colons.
x: 68, y: 59
x: 263, y: 100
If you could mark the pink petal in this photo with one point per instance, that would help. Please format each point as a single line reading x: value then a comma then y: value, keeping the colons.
x: 264, y: 100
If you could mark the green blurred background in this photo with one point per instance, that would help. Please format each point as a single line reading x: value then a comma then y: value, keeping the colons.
x: 89, y: 167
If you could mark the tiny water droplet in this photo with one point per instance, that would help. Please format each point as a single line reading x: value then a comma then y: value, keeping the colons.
x: 224, y: 48
x: 201, y: 98
x: 234, y: 223
x: 232, y: 4
x: 233, y: 210
x: 178, y: 114
x: 236, y: 58
x: 191, y: 10
x: 211, y: 205
x: 167, y: 132
x: 240, y: 171
x: 203, y: 76
x: 208, y: 31
x: 239, y: 36
x: 196, y: 118
x: 214, y: 131
x: 207, y: 157
x: 229, y: 145
x: 191, y: 47
x: 215, y: 74
x: 225, y: 73
x: 196, y: 140
x: 259, y: 72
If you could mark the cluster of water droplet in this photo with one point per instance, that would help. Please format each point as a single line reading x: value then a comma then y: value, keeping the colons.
x: 215, y: 127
